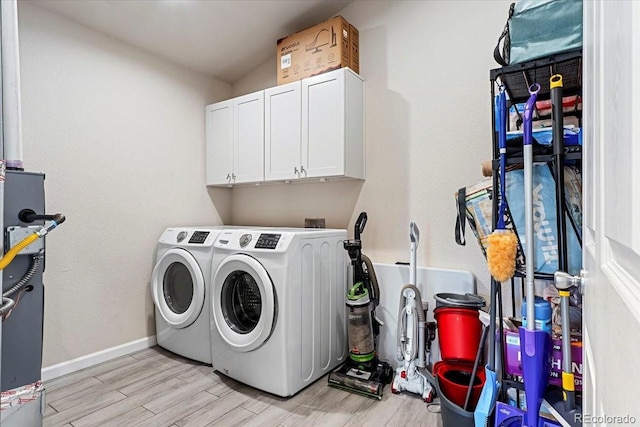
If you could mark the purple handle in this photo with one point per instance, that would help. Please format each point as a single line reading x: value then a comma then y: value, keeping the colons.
x: 527, y: 122
x: 501, y: 101
x: 535, y: 351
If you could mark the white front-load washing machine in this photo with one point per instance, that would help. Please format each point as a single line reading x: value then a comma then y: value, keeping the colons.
x: 181, y: 292
x: 278, y: 306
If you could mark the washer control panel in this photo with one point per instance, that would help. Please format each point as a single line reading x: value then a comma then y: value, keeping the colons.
x: 198, y: 237
x: 189, y: 236
x: 267, y: 241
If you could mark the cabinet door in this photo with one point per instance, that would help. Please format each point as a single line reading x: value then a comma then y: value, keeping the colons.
x: 219, y: 143
x: 282, y: 132
x: 248, y: 159
x: 323, y: 125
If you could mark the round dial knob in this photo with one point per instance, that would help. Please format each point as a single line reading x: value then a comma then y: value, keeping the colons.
x: 244, y: 240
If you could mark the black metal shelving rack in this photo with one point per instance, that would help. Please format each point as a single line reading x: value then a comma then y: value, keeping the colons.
x: 516, y: 80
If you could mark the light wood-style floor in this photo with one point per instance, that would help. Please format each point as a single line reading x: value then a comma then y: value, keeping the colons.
x: 156, y: 388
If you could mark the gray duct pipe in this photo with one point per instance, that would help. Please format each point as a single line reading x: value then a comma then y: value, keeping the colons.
x: 2, y: 175
x: 11, y: 115
x: 11, y: 132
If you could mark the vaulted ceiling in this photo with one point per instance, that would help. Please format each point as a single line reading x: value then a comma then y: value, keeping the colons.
x: 222, y: 38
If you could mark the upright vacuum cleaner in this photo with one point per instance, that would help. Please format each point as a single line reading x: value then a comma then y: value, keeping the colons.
x: 412, y: 325
x: 363, y: 372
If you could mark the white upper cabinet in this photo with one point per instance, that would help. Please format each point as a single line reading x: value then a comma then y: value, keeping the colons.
x: 235, y: 140
x: 282, y: 132
x: 309, y: 129
x: 333, y: 125
x: 219, y: 145
x: 248, y: 135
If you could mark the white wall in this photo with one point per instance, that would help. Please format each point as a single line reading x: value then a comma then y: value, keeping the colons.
x: 428, y: 128
x: 262, y: 76
x: 120, y: 136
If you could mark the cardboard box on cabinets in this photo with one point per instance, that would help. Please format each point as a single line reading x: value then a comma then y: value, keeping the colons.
x: 324, y: 47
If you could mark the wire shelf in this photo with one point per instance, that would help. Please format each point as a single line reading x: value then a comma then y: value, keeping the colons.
x: 517, y: 78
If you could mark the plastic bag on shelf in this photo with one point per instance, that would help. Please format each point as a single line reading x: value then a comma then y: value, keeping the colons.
x: 544, y: 220
x: 475, y: 207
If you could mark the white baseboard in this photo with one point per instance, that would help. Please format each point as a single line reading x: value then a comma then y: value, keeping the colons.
x: 55, y: 371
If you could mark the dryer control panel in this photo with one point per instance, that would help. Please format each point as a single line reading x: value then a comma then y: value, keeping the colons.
x: 254, y: 240
x: 267, y: 241
x: 272, y: 240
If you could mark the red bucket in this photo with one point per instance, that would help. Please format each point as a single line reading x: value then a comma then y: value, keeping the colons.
x: 459, y: 333
x: 454, y: 379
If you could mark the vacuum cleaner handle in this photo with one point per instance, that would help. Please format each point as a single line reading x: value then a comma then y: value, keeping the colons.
x: 360, y: 223
x: 414, y: 233
x: 414, y: 237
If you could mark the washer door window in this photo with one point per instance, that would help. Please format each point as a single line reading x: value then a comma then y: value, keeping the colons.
x: 243, y: 302
x: 177, y: 287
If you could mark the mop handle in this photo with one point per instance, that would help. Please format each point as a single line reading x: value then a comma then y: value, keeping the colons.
x: 474, y: 371
x: 555, y: 84
x: 528, y: 193
x: 501, y: 100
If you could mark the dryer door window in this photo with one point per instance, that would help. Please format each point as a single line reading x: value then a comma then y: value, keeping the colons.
x: 243, y: 302
x: 177, y: 288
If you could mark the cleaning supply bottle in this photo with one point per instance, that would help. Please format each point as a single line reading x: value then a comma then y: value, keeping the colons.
x: 543, y: 314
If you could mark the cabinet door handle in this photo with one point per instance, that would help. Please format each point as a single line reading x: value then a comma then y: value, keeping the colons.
x: 295, y: 170
x: 228, y: 177
x: 302, y: 170
x: 233, y: 177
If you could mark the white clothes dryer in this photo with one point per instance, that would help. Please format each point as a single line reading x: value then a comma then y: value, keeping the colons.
x: 181, y: 291
x: 278, y: 306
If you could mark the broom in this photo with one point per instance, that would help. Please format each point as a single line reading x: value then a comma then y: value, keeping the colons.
x: 501, y: 257
x: 502, y: 243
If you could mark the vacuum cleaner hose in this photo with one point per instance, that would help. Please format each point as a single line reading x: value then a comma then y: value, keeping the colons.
x: 374, y: 280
